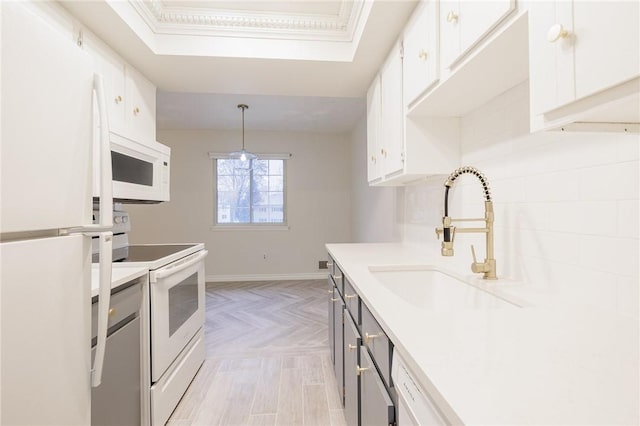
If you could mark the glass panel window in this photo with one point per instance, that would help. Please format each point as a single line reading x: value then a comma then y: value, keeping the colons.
x: 250, y: 192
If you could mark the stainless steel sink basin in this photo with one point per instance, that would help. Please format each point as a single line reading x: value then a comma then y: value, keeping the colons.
x: 428, y: 287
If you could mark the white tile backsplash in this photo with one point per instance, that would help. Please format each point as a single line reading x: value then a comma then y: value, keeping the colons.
x: 566, y: 206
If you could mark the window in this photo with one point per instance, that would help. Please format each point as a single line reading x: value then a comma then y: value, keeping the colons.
x: 250, y: 192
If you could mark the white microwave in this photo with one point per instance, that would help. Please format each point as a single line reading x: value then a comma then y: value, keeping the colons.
x: 140, y: 171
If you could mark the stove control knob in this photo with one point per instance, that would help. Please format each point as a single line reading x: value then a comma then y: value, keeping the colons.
x: 117, y: 219
x: 125, y: 219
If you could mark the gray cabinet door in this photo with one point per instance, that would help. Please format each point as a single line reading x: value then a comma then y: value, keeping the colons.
x: 351, y: 378
x: 117, y: 401
x: 378, y: 343
x: 338, y: 335
x: 376, y: 407
x: 331, y: 315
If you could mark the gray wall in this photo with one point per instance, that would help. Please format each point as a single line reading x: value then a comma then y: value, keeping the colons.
x: 318, y: 196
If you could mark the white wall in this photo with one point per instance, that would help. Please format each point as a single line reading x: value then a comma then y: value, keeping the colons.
x: 318, y: 196
x: 566, y: 206
x: 377, y: 211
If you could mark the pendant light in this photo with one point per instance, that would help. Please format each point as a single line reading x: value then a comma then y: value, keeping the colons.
x: 243, y: 155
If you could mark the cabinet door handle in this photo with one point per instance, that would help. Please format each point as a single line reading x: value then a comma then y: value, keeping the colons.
x: 368, y: 337
x: 330, y: 291
x: 452, y: 17
x: 350, y: 296
x: 335, y: 299
x: 118, y: 99
x: 360, y: 370
x: 422, y: 54
x: 556, y: 32
x: 136, y: 111
x: 352, y: 347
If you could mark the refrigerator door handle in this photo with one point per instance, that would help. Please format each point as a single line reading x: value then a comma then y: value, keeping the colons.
x: 104, y: 300
x: 106, y: 175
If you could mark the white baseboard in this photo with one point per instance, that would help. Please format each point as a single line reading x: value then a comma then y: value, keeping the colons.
x: 268, y: 277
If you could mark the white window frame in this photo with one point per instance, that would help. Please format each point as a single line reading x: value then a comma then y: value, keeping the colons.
x: 214, y: 156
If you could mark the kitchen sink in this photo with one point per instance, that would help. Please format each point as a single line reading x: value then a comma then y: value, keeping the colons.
x: 431, y: 288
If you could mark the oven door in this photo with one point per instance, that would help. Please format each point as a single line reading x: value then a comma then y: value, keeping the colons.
x: 177, y: 309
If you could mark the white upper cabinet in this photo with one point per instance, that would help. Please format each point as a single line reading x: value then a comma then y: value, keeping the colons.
x: 420, y: 66
x: 464, y: 23
x: 481, y: 51
x: 392, y: 113
x: 131, y: 98
x: 579, y: 51
x: 402, y: 149
x: 385, y: 119
x: 373, y: 131
x: 141, y: 108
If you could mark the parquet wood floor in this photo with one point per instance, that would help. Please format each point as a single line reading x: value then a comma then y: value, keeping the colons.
x: 267, y: 359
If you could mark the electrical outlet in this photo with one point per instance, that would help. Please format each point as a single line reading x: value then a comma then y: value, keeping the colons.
x: 322, y: 264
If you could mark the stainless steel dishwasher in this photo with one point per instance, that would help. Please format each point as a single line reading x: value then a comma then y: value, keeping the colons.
x: 118, y: 400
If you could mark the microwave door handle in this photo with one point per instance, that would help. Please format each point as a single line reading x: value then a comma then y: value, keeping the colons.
x: 104, y: 301
x: 106, y: 175
x: 165, y: 272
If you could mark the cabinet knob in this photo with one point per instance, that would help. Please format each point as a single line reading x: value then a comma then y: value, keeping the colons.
x: 118, y: 99
x: 422, y: 54
x: 360, y: 370
x: 452, y: 17
x: 556, y: 32
x: 112, y: 312
x: 368, y: 337
x: 136, y: 111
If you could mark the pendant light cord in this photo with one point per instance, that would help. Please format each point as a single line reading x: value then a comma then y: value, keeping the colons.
x: 243, y: 107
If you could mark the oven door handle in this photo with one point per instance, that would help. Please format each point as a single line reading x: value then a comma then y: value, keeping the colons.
x: 165, y: 272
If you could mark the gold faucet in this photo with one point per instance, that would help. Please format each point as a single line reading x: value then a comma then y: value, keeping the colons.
x: 488, y: 267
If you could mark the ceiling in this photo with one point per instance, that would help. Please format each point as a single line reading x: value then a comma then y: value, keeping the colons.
x: 200, y: 53
x: 271, y: 113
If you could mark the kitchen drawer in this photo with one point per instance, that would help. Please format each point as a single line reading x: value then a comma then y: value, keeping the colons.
x: 124, y: 303
x: 376, y: 406
x: 378, y: 343
x: 352, y: 300
x: 331, y: 264
x: 337, y: 278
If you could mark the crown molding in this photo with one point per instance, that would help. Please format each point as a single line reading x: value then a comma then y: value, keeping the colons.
x: 162, y: 19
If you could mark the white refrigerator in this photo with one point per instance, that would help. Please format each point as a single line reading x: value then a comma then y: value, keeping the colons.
x: 50, y: 98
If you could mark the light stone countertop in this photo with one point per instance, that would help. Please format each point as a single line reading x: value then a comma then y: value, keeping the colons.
x: 119, y: 275
x: 536, y: 364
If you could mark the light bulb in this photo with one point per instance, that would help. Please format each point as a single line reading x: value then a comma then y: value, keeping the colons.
x: 243, y: 156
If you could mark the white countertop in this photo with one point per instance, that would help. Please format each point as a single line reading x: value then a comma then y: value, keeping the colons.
x: 530, y: 365
x: 120, y: 274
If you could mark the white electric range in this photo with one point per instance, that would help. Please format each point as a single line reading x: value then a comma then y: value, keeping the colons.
x: 175, y: 319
